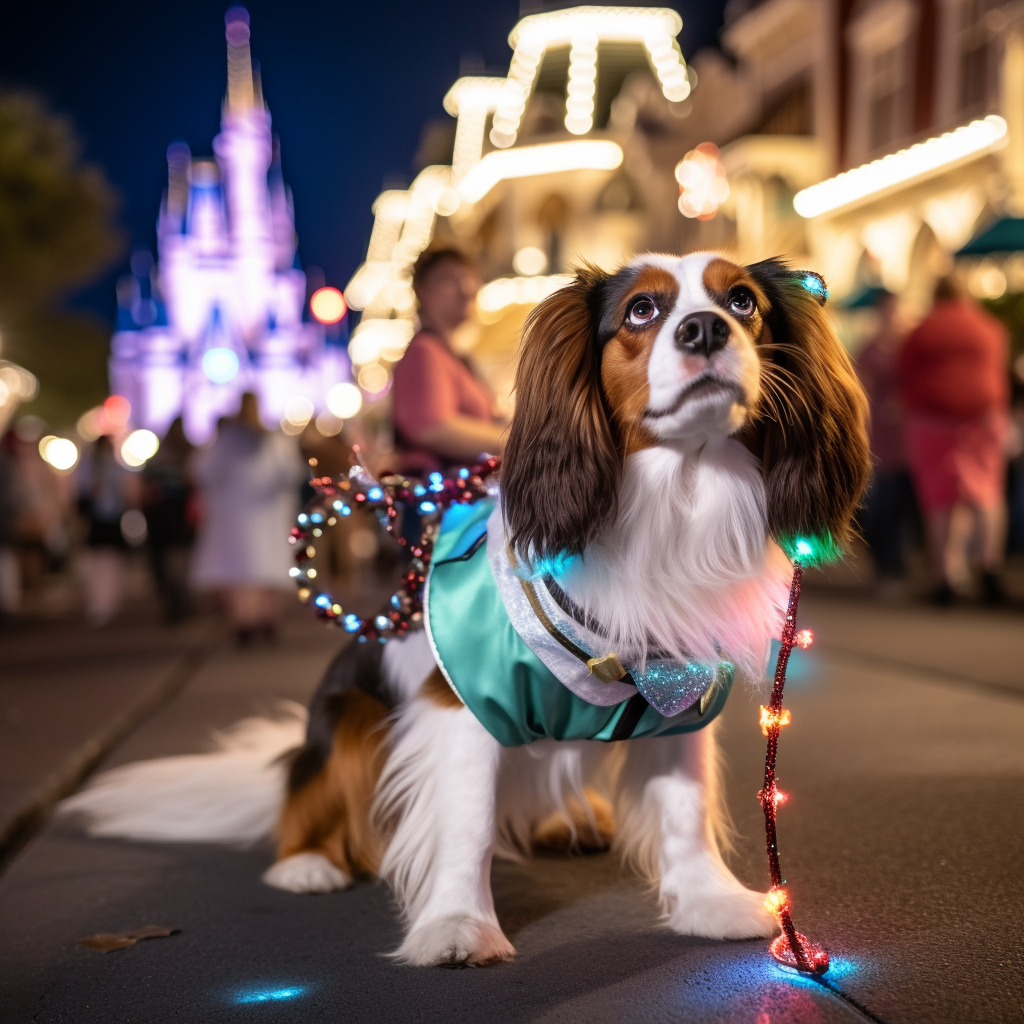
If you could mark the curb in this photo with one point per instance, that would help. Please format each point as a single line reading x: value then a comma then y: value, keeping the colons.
x: 35, y: 810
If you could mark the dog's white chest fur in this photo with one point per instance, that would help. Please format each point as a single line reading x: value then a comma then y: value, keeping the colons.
x: 687, y: 563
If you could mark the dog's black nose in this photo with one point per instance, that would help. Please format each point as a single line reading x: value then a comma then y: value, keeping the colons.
x: 702, y: 334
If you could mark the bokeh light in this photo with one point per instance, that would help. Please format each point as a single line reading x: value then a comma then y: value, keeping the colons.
x: 344, y: 400
x: 116, y: 411
x: 139, y: 447
x: 374, y: 379
x: 298, y: 411
x: 327, y: 305
x: 220, y: 365
x: 91, y: 423
x: 18, y: 382
x: 328, y: 424
x: 529, y: 261
x: 59, y: 452
x: 134, y: 527
x: 702, y: 182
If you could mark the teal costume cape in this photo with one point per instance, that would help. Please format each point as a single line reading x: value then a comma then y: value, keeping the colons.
x: 501, y: 679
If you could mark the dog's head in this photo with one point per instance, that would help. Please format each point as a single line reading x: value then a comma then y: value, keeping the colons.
x: 675, y: 351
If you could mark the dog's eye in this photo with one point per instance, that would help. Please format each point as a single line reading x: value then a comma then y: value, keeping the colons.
x: 741, y: 301
x: 642, y: 311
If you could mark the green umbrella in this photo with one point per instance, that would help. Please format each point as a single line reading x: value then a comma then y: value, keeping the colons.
x: 866, y: 298
x: 1002, y: 236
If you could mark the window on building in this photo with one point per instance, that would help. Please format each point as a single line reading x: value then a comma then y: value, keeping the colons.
x: 887, y: 100
x: 881, y: 38
x: 976, y: 54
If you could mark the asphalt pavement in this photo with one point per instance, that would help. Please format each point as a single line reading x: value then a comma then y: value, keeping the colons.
x: 901, y: 842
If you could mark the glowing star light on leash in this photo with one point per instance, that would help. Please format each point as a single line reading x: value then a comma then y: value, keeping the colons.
x: 791, y: 949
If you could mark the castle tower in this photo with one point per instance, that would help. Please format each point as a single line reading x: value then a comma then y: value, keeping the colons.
x: 234, y: 300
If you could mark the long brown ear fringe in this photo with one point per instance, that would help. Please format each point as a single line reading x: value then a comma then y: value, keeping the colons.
x: 812, y: 431
x: 560, y: 470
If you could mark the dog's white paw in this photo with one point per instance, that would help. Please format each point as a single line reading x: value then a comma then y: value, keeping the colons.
x: 306, y: 872
x: 727, y: 914
x: 455, y: 941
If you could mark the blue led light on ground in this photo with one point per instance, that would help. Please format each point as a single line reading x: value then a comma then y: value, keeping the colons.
x: 352, y: 623
x: 427, y: 506
x: 275, y: 995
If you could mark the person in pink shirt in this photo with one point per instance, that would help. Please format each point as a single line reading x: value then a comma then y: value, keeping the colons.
x: 443, y: 412
x: 954, y: 383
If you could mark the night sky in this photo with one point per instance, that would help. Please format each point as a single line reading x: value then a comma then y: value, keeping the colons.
x: 349, y: 86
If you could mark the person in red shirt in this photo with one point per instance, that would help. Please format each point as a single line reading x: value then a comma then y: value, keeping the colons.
x: 443, y: 412
x: 955, y: 389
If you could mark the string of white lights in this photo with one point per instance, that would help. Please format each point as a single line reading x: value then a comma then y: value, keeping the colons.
x: 582, y: 28
x: 579, y: 105
x: 924, y: 158
x: 471, y: 99
x: 549, y: 158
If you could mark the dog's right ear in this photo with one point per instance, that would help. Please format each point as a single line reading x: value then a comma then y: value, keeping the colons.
x: 561, y: 467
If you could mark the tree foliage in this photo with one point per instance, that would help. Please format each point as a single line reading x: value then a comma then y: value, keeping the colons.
x: 57, y: 213
x: 58, y: 233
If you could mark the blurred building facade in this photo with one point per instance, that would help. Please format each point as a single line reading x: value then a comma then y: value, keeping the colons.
x: 868, y: 139
x: 223, y: 310
x: 568, y: 157
x: 871, y: 138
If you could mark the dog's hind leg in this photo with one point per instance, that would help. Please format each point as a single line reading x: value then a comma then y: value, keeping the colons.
x: 586, y: 826
x: 669, y: 813
x: 325, y: 833
x: 438, y: 792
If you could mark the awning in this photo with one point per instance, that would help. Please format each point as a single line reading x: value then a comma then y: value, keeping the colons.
x: 1004, y: 236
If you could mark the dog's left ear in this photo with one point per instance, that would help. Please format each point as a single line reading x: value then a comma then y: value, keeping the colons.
x: 560, y: 471
x: 811, y: 434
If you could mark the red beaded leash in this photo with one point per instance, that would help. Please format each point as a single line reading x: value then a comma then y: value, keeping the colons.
x: 790, y: 948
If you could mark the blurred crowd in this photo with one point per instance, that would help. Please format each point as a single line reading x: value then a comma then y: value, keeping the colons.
x: 214, y: 521
x: 946, y: 445
x: 208, y: 520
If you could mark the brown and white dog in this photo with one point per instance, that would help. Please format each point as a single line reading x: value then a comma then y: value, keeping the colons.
x: 673, y: 421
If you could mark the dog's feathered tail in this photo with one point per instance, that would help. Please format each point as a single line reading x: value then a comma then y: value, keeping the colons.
x: 231, y: 795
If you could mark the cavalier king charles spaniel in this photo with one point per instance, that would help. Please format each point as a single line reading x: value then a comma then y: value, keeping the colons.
x: 677, y: 424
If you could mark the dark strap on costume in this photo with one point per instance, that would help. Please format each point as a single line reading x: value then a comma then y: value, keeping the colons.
x: 635, y: 706
x: 468, y: 553
x: 630, y: 717
x: 574, y: 611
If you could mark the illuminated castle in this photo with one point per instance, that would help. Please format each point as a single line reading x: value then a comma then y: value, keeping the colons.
x: 225, y: 314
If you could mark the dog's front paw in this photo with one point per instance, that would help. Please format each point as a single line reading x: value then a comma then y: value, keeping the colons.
x: 455, y: 942
x: 306, y: 872
x: 729, y: 914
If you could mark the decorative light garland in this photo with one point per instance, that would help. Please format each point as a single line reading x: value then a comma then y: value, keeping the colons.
x: 336, y: 499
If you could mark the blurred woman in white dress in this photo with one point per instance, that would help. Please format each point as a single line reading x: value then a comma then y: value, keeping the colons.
x: 248, y: 482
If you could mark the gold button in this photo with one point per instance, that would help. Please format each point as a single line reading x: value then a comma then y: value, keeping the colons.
x: 608, y: 669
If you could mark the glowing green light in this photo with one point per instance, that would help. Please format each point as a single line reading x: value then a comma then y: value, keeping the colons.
x: 811, y: 550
